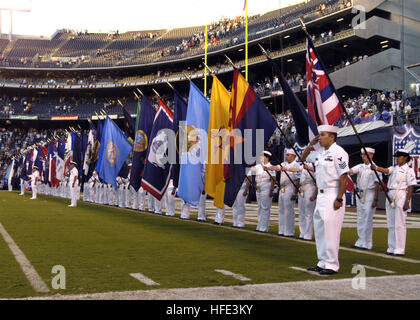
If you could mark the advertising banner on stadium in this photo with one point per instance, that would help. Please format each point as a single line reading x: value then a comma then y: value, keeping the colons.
x: 409, y: 139
x: 65, y: 118
x: 23, y: 117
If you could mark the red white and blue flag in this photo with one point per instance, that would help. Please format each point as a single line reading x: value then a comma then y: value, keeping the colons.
x: 324, y: 104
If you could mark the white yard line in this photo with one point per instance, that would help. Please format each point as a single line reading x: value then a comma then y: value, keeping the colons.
x: 374, y: 268
x: 34, y: 278
x: 142, y: 278
x: 234, y: 275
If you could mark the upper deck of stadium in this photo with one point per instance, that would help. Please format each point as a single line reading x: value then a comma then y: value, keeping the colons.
x: 68, y: 49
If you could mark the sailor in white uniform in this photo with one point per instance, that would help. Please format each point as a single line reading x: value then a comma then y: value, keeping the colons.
x: 220, y: 216
x: 185, y: 210
x: 401, y: 184
x: 368, y: 186
x: 202, y: 208
x: 73, y: 183
x: 239, y: 207
x: 35, y: 179
x: 265, y: 187
x: 170, y: 199
x: 142, y: 199
x: 288, y: 194
x: 331, y: 170
x: 93, y: 182
x: 307, y: 196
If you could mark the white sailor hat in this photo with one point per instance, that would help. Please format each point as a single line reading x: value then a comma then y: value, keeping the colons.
x: 35, y: 167
x: 268, y: 153
x: 326, y: 128
x: 369, y: 150
x: 402, y: 152
x: 291, y: 152
x: 72, y: 162
x: 129, y: 165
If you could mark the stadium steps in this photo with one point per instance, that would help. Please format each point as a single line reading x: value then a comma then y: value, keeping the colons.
x: 148, y: 46
x: 59, y: 47
x: 9, y: 48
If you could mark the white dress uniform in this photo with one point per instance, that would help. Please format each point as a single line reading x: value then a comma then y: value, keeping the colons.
x: 158, y: 206
x: 306, y: 206
x: 35, y: 174
x: 286, y: 204
x: 99, y: 192
x: 238, y: 209
x: 263, y: 185
x: 330, y: 165
x: 85, y: 192
x: 23, y: 184
x: 220, y: 215
x: 170, y: 200
x: 127, y: 193
x: 74, y: 173
x: 185, y: 210
x: 93, y: 188
x: 366, y: 179
x: 202, y: 208
x: 120, y: 192
x: 142, y: 199
x: 401, y: 178
x: 150, y: 203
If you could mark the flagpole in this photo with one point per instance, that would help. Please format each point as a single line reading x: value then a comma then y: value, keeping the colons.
x: 205, y: 62
x: 351, y: 121
x: 281, y: 130
x: 246, y: 40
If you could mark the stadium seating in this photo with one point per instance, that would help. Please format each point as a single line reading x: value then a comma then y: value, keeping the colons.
x: 89, y: 50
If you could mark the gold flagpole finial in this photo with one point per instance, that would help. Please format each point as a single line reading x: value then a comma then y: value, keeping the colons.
x: 157, y: 93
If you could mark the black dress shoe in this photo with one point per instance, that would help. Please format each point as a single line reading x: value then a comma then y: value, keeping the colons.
x: 315, y: 269
x: 360, y: 248
x: 389, y: 253
x: 200, y: 220
x: 328, y: 272
x: 281, y: 235
x: 398, y: 255
x: 217, y: 223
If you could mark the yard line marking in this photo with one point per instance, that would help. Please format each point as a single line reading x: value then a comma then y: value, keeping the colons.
x: 307, y: 271
x: 374, y: 268
x: 234, y: 275
x: 142, y: 278
x: 34, y: 278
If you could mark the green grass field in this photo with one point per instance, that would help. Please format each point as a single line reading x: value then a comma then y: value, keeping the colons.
x: 100, y: 246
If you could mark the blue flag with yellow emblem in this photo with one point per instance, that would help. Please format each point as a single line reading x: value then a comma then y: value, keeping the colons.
x: 114, y: 150
x: 193, y: 153
x: 141, y: 143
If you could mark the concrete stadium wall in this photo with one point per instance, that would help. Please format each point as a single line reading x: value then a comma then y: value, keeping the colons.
x: 386, y: 69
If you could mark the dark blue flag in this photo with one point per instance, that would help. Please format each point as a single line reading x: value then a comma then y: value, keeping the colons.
x: 141, y: 143
x: 303, y: 121
x: 157, y: 171
x: 180, y: 114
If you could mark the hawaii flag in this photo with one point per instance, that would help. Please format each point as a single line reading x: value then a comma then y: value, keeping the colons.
x: 324, y: 104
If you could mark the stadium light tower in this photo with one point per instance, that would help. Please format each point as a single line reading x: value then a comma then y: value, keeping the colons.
x: 11, y: 10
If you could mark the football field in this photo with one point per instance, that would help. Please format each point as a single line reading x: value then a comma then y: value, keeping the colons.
x: 111, y: 250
